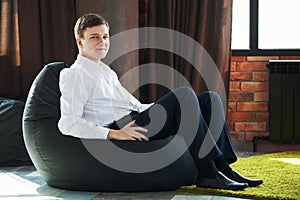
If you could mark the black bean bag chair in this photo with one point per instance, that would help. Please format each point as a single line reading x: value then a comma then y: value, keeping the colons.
x: 91, y: 164
x: 12, y: 147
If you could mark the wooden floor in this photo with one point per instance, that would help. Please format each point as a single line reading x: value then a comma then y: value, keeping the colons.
x: 25, y: 183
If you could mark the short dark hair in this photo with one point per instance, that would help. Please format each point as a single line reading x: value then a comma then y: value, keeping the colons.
x: 86, y: 21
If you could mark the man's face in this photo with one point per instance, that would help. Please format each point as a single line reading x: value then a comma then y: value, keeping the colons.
x: 95, y: 42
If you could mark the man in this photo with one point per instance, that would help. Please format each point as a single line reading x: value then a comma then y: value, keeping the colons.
x: 95, y: 105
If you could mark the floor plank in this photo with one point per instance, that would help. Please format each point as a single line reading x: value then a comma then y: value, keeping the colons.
x: 25, y: 183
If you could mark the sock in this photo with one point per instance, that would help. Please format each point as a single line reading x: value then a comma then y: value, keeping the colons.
x: 208, y: 170
x: 222, y: 165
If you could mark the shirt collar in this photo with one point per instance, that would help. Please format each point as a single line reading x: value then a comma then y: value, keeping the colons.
x: 87, y: 63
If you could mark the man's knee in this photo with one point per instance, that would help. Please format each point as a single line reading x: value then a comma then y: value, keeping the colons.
x: 210, y: 95
x: 185, y: 91
x: 186, y: 96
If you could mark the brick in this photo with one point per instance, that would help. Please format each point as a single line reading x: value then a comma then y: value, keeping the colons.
x: 262, y: 58
x: 250, y: 126
x: 261, y: 96
x: 240, y: 116
x: 233, y: 66
x: 262, y: 116
x: 238, y: 136
x: 238, y: 58
x: 240, y: 96
x: 231, y: 106
x: 241, y: 76
x: 230, y: 126
x: 260, y: 76
x: 251, y: 135
x: 251, y: 66
x: 289, y: 57
x: 234, y: 86
x: 255, y: 86
x: 252, y: 106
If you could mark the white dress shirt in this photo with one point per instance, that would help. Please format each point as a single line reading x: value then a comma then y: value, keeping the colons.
x: 92, y: 98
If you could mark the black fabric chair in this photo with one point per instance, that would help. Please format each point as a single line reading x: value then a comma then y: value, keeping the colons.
x: 12, y: 147
x: 65, y: 162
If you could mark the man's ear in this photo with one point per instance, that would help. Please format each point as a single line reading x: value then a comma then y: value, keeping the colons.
x: 79, y: 42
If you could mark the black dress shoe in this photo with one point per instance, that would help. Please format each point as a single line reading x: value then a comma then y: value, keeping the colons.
x: 233, y: 175
x: 220, y: 181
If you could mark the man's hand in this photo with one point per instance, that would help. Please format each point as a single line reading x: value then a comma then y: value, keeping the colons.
x: 128, y: 132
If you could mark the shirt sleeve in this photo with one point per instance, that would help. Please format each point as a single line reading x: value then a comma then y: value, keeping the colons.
x: 75, y: 92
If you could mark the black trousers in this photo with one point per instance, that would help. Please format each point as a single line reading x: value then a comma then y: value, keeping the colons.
x: 200, y: 119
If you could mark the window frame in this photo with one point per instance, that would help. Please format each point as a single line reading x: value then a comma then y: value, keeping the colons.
x: 253, y: 39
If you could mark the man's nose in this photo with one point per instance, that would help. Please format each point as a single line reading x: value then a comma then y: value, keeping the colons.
x: 101, y: 41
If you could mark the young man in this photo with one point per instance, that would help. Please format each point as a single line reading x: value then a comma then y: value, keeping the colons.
x: 95, y: 105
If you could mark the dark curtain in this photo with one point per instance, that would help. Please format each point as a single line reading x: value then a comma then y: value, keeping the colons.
x: 10, y: 75
x: 33, y: 33
x: 208, y: 22
x: 46, y: 35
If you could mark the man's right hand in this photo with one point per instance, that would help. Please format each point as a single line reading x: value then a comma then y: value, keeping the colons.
x: 129, y: 132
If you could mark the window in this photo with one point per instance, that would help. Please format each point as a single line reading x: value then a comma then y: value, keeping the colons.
x: 278, y: 26
x: 240, y: 24
x: 266, y: 27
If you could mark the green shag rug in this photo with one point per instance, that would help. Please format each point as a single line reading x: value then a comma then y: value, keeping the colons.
x: 279, y: 171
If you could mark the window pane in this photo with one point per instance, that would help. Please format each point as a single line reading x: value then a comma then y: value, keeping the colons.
x: 278, y: 26
x: 240, y: 24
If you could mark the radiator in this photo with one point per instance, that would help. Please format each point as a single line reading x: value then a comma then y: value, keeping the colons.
x: 284, y: 100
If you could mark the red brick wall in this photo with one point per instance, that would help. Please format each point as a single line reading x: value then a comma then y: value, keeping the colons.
x: 249, y: 95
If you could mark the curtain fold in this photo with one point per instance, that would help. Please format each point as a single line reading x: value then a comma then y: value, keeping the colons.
x: 46, y: 35
x: 10, y: 76
x: 208, y: 22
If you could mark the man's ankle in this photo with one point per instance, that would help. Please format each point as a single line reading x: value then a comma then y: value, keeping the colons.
x: 222, y: 165
x: 208, y: 170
